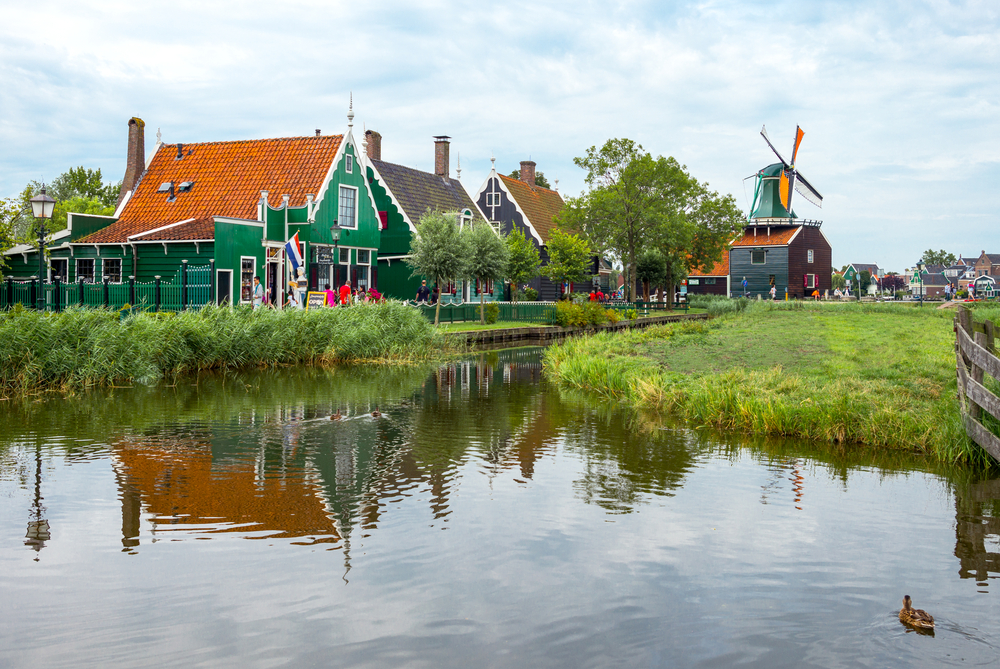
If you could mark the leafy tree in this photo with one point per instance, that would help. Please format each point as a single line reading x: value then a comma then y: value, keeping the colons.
x: 10, y: 208
x: 80, y: 182
x: 837, y: 281
x: 78, y: 190
x: 438, y: 250
x: 540, y: 179
x: 893, y: 282
x: 651, y: 268
x: 523, y: 260
x: 571, y: 258
x: 864, y: 280
x: 932, y: 257
x: 488, y: 257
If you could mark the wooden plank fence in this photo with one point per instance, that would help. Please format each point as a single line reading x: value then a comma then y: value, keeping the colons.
x: 976, y: 355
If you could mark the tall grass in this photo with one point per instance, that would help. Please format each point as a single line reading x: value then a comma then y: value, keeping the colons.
x: 881, y: 375
x: 84, y: 347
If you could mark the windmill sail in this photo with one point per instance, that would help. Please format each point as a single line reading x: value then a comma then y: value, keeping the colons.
x: 805, y: 189
x: 763, y: 133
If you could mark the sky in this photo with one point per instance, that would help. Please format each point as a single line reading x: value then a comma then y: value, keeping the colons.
x: 899, y: 100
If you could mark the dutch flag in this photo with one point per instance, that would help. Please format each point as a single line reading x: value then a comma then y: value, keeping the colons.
x: 292, y: 251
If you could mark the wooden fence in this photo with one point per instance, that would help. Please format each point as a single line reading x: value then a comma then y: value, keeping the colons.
x: 976, y: 355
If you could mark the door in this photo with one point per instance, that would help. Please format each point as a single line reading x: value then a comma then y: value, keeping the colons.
x: 271, y: 276
x: 225, y: 286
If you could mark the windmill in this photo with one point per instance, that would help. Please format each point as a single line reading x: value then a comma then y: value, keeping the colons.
x: 776, y: 183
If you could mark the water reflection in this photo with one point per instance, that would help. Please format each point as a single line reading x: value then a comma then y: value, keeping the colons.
x: 977, y: 530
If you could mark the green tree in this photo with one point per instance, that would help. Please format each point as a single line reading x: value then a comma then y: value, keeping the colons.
x: 10, y: 209
x: 864, y: 280
x: 523, y: 261
x: 438, y: 250
x: 80, y: 182
x: 932, y: 257
x: 540, y: 179
x: 488, y: 257
x: 651, y: 268
x: 571, y: 258
x: 837, y: 281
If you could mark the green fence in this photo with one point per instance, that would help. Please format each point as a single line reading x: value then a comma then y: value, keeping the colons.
x: 191, y: 288
x: 535, y: 312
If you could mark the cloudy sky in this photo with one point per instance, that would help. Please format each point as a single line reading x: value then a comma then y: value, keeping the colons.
x: 898, y: 99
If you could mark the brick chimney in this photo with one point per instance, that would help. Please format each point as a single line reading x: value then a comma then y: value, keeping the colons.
x: 528, y: 172
x: 374, y: 147
x: 135, y: 157
x: 442, y: 162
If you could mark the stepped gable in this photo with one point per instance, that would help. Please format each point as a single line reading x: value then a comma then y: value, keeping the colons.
x: 779, y: 236
x: 417, y: 192
x: 540, y: 205
x: 227, y: 179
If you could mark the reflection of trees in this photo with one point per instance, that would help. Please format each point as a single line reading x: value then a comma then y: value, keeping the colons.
x: 977, y: 518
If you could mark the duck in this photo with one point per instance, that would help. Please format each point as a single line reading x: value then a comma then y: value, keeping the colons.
x: 915, y: 617
x: 336, y: 416
x: 376, y: 413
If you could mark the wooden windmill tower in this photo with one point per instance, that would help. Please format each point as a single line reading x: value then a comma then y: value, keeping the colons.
x: 778, y: 249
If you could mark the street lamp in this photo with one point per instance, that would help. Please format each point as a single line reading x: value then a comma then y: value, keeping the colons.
x: 335, y: 231
x: 920, y: 277
x: 41, y: 207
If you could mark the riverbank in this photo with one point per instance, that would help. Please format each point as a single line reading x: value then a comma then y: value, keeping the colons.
x: 541, y: 335
x: 882, y: 375
x: 87, y: 347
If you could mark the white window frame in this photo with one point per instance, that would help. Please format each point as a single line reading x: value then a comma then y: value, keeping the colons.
x: 93, y: 268
x: 357, y: 255
x: 763, y: 254
x: 340, y: 214
x: 340, y: 256
x: 104, y: 272
x: 239, y: 279
x: 349, y: 164
x: 811, y: 281
x: 810, y: 256
x: 694, y: 282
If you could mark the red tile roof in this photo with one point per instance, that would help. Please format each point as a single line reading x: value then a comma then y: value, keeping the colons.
x: 720, y: 268
x: 539, y: 204
x: 228, y: 178
x: 777, y: 237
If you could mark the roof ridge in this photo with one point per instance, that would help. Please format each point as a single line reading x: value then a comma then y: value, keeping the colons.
x: 247, y: 141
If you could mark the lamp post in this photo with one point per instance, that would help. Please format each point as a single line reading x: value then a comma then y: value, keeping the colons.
x: 920, y: 277
x: 41, y: 207
x: 335, y: 232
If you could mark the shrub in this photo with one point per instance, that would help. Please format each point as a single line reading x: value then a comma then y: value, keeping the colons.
x: 568, y: 314
x: 631, y: 314
x: 613, y: 315
x: 530, y: 294
x: 492, y: 312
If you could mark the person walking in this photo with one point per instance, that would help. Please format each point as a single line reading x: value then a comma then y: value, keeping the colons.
x: 293, y: 299
x: 258, y: 293
x: 423, y: 293
x: 774, y: 294
x: 345, y: 294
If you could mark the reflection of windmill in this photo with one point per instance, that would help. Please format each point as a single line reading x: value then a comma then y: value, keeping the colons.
x: 772, y: 198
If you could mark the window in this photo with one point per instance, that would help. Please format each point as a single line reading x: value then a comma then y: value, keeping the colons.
x: 694, y: 282
x: 484, y: 288
x: 348, y: 207
x: 111, y: 269
x: 709, y: 282
x: 465, y: 218
x: 60, y: 268
x: 85, y: 269
x: 809, y: 255
x: 810, y: 280
x: 757, y: 257
x: 345, y: 256
x: 349, y: 164
x: 247, y: 266
x: 493, y: 199
x: 364, y: 257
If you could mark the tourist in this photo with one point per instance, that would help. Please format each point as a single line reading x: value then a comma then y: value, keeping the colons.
x: 600, y: 295
x: 423, y: 293
x: 331, y: 297
x: 293, y: 299
x: 258, y: 293
x: 774, y: 294
x: 593, y: 296
x: 345, y: 294
x: 435, y: 294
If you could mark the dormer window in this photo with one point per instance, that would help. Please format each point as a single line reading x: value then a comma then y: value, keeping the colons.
x: 185, y: 187
x: 165, y: 187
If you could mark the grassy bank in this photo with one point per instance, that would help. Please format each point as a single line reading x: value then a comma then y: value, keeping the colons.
x: 85, y: 347
x: 882, y: 375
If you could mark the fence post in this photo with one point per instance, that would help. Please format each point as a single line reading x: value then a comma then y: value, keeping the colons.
x: 80, y: 281
x: 56, y: 283
x: 156, y: 293
x: 184, y: 284
x: 34, y: 292
x: 10, y: 291
x: 107, y: 294
x: 131, y: 291
x: 211, y: 281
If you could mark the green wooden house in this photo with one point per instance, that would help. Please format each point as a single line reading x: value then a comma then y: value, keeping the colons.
x: 227, y: 209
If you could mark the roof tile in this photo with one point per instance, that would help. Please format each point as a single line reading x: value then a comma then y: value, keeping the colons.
x: 540, y: 205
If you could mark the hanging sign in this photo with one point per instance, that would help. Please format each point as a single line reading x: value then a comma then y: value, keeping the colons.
x: 324, y: 255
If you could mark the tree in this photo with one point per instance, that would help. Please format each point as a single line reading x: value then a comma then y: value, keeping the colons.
x: 80, y: 182
x: 78, y: 190
x: 893, y: 282
x: 864, y: 280
x: 540, y: 179
x: 932, y: 257
x: 523, y: 261
x: 837, y: 281
x: 488, y: 257
x: 571, y: 258
x: 651, y: 269
x: 438, y: 250
x: 10, y: 208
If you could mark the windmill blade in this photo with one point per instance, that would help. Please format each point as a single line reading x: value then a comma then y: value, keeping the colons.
x: 805, y: 189
x: 791, y: 189
x: 798, y: 140
x: 783, y: 190
x: 763, y: 133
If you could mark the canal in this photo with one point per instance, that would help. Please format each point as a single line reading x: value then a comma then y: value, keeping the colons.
x: 479, y: 518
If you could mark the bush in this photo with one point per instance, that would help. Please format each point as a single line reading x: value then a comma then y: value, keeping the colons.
x: 613, y: 315
x: 492, y: 312
x: 631, y: 314
x: 569, y: 314
x: 530, y: 294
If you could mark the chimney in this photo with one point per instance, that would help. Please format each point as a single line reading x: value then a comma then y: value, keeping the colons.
x: 135, y: 158
x: 528, y: 172
x: 374, y: 148
x: 317, y: 132
x: 442, y: 164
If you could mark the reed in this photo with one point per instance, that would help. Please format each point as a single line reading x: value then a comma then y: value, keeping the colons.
x: 86, y: 347
x: 871, y: 374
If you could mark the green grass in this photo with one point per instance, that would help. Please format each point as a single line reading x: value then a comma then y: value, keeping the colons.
x: 86, y: 347
x: 882, y: 375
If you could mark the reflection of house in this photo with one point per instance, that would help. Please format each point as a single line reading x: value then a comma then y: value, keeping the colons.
x: 975, y: 525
